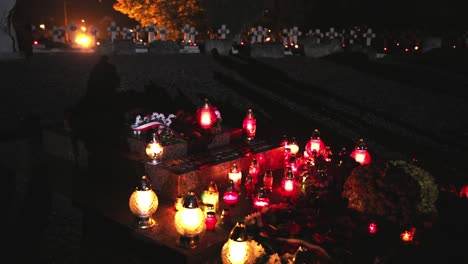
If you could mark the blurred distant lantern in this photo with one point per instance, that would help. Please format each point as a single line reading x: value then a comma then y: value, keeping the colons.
x: 292, y: 163
x: 261, y: 200
x: 179, y: 202
x: 206, y: 115
x: 464, y: 192
x: 190, y: 222
x: 211, y: 195
x: 249, y: 125
x: 372, y: 227
x: 407, y: 236
x: 235, y: 175
x: 285, y: 141
x: 293, y: 146
x: 268, y: 180
x: 254, y: 170
x: 249, y: 186
x: 360, y: 153
x: 211, y: 220
x: 315, y: 143
x: 143, y: 203
x: 154, y: 150
x: 230, y: 196
x: 237, y: 249
x: 288, y: 182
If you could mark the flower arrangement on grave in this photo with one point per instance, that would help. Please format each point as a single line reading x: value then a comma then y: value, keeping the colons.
x: 397, y: 191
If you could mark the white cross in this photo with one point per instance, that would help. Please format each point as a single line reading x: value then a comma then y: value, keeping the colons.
x: 369, y: 35
x: 58, y: 34
x: 223, y: 31
x: 317, y: 34
x: 285, y: 35
x: 331, y: 34
x: 186, y: 31
x: 352, y: 36
x: 113, y: 29
x: 260, y: 34
x: 152, y: 30
x: 162, y: 32
x: 294, y: 33
x: 192, y: 34
x: 253, y: 31
x: 138, y: 32
x: 127, y: 33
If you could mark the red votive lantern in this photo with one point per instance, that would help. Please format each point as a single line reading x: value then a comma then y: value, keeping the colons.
x: 268, y: 180
x: 315, y: 143
x: 210, y: 220
x: 206, y: 115
x: 249, y: 125
x: 360, y: 153
x: 261, y: 200
x: 292, y: 163
x: 230, y: 196
x: 254, y: 170
x: 235, y: 175
x: 288, y: 183
x: 372, y: 228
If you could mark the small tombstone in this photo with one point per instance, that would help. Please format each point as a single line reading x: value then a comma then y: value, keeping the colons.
x: 223, y: 32
x: 368, y: 35
x: 261, y: 33
x: 138, y: 32
x: 253, y: 32
x: 192, y: 35
x: 58, y: 34
x: 294, y: 33
x: 331, y: 34
x: 113, y: 30
x: 162, y: 33
x: 316, y: 34
x: 186, y: 32
x: 152, y: 30
x: 73, y: 30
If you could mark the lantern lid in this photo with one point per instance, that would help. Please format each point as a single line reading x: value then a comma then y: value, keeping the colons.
x: 289, y: 173
x: 315, y: 134
x: 206, y: 103
x: 261, y: 193
x: 268, y: 173
x: 361, y: 145
x: 144, y: 184
x: 190, y: 200
x: 212, y: 187
x: 234, y: 167
x: 238, y: 232
x: 250, y: 113
x: 231, y: 186
x: 154, y: 138
x: 254, y: 162
x: 211, y: 214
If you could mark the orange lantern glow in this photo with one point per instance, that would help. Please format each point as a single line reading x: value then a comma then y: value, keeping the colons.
x: 250, y: 125
x: 315, y: 144
x: 235, y: 175
x: 293, y: 146
x: 407, y: 236
x: 211, y: 196
x: 360, y: 153
x: 206, y: 115
x: 154, y: 150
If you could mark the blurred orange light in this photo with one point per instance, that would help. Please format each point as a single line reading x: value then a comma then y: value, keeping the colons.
x: 83, y: 40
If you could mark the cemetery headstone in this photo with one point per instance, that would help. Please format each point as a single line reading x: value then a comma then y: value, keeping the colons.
x: 223, y: 32
x: 331, y: 34
x: 127, y: 33
x: 152, y: 30
x: 317, y: 35
x: 58, y: 34
x: 368, y: 35
x: 192, y: 35
x: 186, y: 32
x: 162, y: 33
x: 72, y: 30
x: 285, y: 37
x: 261, y: 34
x: 294, y: 33
x: 253, y: 33
x: 138, y: 32
x: 113, y: 30
x: 352, y: 36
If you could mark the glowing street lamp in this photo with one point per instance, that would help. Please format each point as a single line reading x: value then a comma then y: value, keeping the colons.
x: 360, y: 153
x: 154, y: 150
x: 206, y: 115
x: 190, y: 222
x: 143, y: 203
x: 250, y: 125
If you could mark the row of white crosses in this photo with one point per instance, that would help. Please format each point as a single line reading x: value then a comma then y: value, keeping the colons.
x: 129, y: 34
x: 189, y: 34
x: 291, y: 35
x: 351, y: 35
x: 258, y: 34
